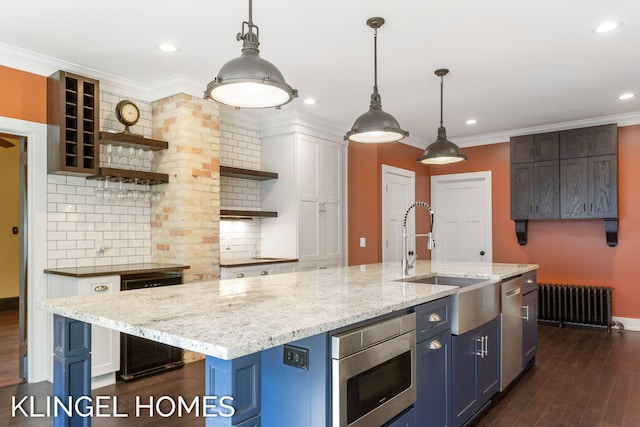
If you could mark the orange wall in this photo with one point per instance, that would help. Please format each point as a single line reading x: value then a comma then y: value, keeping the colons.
x: 570, y: 251
x: 23, y: 95
x: 365, y: 196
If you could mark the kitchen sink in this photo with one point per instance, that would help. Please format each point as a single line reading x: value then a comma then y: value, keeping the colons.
x: 477, y: 301
x: 448, y: 280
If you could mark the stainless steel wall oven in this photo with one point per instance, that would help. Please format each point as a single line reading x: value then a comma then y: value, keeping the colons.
x: 140, y: 357
x: 373, y: 372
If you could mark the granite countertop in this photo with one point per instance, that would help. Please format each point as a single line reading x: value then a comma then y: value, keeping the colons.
x: 121, y: 269
x: 246, y: 262
x: 232, y: 318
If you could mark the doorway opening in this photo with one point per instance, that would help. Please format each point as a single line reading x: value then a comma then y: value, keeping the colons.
x: 13, y: 260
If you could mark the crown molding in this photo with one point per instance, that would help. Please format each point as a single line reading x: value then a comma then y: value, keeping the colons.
x: 627, y: 119
x: 269, y: 122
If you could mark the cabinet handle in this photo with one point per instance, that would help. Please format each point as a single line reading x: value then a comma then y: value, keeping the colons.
x: 435, y: 345
x: 434, y: 317
x: 239, y: 275
x: 480, y: 341
x: 525, y: 310
x: 530, y: 208
x: 101, y: 288
x: 483, y: 341
x: 529, y: 281
x: 264, y: 272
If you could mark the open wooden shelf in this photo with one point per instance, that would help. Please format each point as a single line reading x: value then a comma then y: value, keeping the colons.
x: 235, y: 213
x: 247, y: 173
x: 132, y: 140
x: 126, y: 175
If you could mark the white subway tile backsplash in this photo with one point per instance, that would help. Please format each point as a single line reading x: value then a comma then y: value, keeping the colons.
x: 77, y: 222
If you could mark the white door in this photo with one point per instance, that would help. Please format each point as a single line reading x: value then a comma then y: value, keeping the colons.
x: 462, y: 217
x: 398, y: 193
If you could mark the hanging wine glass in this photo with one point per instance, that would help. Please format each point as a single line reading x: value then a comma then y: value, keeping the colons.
x: 99, y: 192
x: 121, y: 195
x: 140, y: 156
x: 150, y: 157
x: 109, y: 154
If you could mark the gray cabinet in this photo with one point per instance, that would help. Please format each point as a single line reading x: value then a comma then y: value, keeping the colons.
x: 535, y: 148
x: 433, y: 360
x: 529, y: 318
x: 535, y: 190
x: 566, y: 175
x: 591, y: 141
x: 475, y: 370
x: 589, y: 187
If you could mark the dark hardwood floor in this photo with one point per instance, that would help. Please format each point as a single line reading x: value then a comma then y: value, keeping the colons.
x: 583, y: 377
x: 9, y: 348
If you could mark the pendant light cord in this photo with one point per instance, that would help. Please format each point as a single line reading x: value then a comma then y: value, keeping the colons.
x: 441, y: 97
x: 250, y: 14
x: 375, y: 60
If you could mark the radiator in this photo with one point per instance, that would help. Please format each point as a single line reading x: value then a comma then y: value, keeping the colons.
x: 578, y: 305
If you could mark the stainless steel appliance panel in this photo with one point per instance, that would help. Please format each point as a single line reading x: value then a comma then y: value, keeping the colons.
x: 511, y: 343
x: 372, y: 385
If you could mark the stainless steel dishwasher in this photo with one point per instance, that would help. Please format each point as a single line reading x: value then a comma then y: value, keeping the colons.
x: 511, y: 360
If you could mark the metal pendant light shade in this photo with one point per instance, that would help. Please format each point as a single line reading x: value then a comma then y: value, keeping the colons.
x: 376, y: 126
x: 442, y: 151
x: 250, y: 81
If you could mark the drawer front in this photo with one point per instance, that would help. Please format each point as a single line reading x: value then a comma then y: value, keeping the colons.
x: 530, y: 281
x: 432, y: 318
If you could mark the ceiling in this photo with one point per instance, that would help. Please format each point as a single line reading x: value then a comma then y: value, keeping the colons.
x: 514, y: 65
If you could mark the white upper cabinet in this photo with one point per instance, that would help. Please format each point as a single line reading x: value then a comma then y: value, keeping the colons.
x: 308, y: 196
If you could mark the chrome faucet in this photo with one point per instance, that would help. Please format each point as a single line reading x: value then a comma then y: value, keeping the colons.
x: 256, y: 252
x: 430, y: 242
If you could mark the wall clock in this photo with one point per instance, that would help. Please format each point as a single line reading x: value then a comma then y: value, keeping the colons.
x: 127, y: 113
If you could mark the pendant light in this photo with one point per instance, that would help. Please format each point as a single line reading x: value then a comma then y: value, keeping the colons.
x: 442, y: 151
x: 375, y: 126
x: 250, y: 81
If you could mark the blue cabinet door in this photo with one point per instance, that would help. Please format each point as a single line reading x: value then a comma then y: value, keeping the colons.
x: 489, y: 364
x: 475, y: 370
x: 406, y: 419
x: 433, y: 358
x: 529, y: 327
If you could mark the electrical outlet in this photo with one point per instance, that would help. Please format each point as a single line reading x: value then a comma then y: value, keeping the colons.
x: 297, y: 357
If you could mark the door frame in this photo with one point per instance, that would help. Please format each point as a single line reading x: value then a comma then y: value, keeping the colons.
x: 485, y: 176
x: 37, y: 325
x: 386, y: 171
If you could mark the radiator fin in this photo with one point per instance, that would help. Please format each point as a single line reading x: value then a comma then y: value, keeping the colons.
x: 575, y: 304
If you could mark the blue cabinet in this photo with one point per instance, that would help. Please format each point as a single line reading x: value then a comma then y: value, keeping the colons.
x: 475, y: 370
x: 529, y: 320
x: 433, y: 359
x: 293, y: 396
x: 406, y: 419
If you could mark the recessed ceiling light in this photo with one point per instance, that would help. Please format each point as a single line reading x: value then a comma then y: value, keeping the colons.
x: 471, y: 122
x: 626, y: 96
x: 605, y: 27
x: 309, y: 101
x: 168, y: 47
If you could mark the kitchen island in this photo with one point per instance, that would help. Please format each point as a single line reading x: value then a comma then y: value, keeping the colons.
x: 234, y: 321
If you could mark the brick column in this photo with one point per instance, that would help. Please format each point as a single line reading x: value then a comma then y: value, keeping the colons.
x: 185, y: 224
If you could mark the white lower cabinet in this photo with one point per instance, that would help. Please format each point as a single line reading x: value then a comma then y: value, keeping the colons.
x: 257, y: 270
x: 319, y: 265
x: 105, y: 343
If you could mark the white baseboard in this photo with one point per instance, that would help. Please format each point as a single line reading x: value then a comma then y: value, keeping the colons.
x: 630, y: 324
